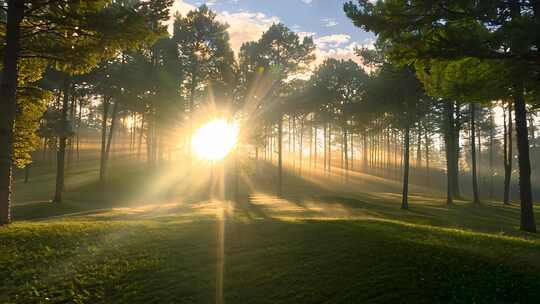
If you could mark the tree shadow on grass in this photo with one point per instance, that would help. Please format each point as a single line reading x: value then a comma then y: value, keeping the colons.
x: 362, y: 199
x: 271, y: 261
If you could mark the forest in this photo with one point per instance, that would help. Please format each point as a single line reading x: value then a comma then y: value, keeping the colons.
x: 144, y: 159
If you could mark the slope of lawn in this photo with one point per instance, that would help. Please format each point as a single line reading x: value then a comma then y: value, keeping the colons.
x: 116, y: 244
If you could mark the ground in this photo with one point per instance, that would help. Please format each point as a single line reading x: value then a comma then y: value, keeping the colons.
x: 140, y: 239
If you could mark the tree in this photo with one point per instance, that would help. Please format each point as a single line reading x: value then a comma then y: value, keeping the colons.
x: 498, y: 30
x: 277, y: 56
x: 404, y: 100
x: 342, y: 83
x: 71, y: 36
x: 204, y: 51
x: 468, y: 80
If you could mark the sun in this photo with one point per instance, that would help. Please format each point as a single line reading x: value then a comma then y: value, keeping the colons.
x: 215, y: 140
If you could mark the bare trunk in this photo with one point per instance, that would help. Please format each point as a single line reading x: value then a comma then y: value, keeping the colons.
x: 456, y: 150
x: 365, y: 152
x: 325, y: 135
x: 346, y: 154
x: 61, y: 154
x: 70, y: 140
x: 79, y: 122
x: 8, y: 104
x: 508, y: 154
x: 329, y: 148
x: 280, y: 157
x: 419, y: 148
x: 300, y: 148
x: 352, y: 151
x: 427, y: 143
x: 476, y: 197
x: 450, y: 154
x: 104, y: 119
x: 315, y: 149
x: 405, y: 196
x: 525, y: 191
x: 110, y: 139
x: 141, y: 133
x: 27, y: 173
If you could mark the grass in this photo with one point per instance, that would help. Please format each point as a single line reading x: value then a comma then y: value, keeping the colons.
x: 324, y: 242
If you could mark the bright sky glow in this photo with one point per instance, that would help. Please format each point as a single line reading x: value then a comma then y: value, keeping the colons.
x: 215, y: 140
x: 334, y: 34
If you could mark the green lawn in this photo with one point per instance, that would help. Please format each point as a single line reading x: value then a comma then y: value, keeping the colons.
x: 142, y: 240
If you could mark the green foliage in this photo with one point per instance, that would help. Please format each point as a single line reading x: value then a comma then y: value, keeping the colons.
x: 461, y: 50
x: 397, y: 93
x: 73, y: 37
x: 31, y: 103
x: 266, y: 67
x: 466, y: 80
x: 340, y: 89
x: 205, y: 54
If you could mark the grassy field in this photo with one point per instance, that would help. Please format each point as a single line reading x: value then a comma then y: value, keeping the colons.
x: 141, y: 239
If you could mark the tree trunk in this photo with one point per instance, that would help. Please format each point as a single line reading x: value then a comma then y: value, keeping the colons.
x: 141, y: 133
x: 315, y: 148
x: 280, y: 157
x: 289, y: 131
x: 427, y: 143
x: 396, y: 155
x: 352, y: 151
x: 508, y: 154
x: 479, y: 161
x: 532, y: 130
x: 44, y: 152
x: 456, y: 151
x: 109, y: 141
x: 310, y: 147
x: 8, y: 104
x: 476, y: 197
x: 61, y: 154
x: 325, y: 147
x: 364, y: 152
x: 525, y: 192
x: 450, y: 154
x: 70, y: 139
x: 346, y: 154
x: 387, y: 151
x: 104, y: 119
x: 79, y: 122
x: 294, y: 143
x: 405, y: 197
x: 300, y: 148
x: 236, y: 177
x: 419, y: 148
x: 491, y: 156
x: 27, y: 173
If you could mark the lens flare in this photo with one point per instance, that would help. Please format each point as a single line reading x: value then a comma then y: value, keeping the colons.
x: 215, y: 140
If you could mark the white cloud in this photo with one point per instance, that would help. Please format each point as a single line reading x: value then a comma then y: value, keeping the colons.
x: 332, y: 41
x: 179, y: 6
x: 303, y: 35
x: 245, y: 26
x: 329, y: 22
x: 339, y: 46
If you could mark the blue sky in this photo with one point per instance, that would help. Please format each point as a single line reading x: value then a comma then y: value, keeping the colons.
x: 325, y: 20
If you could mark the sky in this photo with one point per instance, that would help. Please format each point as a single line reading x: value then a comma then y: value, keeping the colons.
x: 324, y: 20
